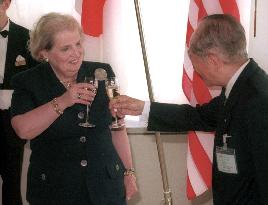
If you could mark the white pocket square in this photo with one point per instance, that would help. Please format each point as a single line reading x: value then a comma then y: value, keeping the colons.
x: 20, y: 61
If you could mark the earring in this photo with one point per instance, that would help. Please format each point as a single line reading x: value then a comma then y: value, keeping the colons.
x: 46, y: 59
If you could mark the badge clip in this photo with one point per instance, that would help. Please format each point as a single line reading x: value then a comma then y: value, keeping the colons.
x: 225, y: 136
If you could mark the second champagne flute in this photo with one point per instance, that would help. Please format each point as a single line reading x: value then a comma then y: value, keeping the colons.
x: 112, y: 89
x: 94, y: 82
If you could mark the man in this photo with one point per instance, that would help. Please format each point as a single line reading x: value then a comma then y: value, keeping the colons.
x: 239, y: 116
x: 14, y: 58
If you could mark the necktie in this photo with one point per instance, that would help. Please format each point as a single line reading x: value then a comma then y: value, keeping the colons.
x: 4, y: 33
x: 223, y: 97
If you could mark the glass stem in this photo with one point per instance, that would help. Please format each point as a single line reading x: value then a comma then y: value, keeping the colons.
x: 87, y: 114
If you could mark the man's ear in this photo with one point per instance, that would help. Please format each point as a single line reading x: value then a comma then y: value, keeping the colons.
x: 214, y: 61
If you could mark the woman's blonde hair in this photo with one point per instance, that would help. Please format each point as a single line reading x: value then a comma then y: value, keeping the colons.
x: 44, y: 31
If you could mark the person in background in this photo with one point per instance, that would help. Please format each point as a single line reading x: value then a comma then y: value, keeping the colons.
x: 69, y: 164
x: 239, y: 116
x: 14, y: 58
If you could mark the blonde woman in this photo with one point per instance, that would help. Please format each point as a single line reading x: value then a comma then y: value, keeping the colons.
x: 69, y: 164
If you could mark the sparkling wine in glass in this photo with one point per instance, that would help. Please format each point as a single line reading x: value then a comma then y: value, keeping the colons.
x: 112, y: 90
x: 94, y: 82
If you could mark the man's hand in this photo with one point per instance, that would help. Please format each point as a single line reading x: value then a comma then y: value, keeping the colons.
x: 123, y: 105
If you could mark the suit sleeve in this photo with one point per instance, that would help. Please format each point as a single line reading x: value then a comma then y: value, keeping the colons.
x: 178, y: 118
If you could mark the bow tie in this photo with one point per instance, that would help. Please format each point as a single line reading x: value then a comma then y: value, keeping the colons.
x: 4, y: 33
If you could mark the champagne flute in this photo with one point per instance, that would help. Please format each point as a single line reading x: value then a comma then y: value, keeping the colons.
x: 94, y: 82
x: 112, y: 89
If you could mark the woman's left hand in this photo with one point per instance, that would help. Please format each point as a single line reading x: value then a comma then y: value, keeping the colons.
x: 130, y: 185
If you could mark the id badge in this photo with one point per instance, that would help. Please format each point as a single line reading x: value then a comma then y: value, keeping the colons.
x: 226, y: 160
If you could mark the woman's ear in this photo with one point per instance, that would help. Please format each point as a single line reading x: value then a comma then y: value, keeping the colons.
x: 43, y: 55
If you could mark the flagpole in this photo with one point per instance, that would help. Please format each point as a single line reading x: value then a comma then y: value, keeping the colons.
x: 160, y: 149
x: 255, y: 18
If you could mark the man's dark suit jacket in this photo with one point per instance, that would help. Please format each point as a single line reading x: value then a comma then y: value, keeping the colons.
x: 70, y: 163
x: 245, y: 118
x: 18, y: 38
x: 17, y: 45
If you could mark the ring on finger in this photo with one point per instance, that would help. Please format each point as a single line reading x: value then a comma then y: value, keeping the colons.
x: 79, y: 95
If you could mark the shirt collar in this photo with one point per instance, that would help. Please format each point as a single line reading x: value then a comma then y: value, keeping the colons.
x: 232, y: 81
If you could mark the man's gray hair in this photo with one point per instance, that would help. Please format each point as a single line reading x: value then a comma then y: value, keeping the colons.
x: 220, y: 34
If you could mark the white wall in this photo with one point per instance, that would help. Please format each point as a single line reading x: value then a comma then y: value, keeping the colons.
x: 121, y: 47
x: 165, y: 42
x: 258, y: 45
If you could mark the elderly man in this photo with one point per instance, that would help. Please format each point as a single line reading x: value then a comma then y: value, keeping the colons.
x: 239, y: 116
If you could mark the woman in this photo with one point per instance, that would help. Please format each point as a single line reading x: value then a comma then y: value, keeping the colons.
x: 69, y: 164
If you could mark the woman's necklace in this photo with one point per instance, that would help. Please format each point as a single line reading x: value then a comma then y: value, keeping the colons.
x: 67, y: 84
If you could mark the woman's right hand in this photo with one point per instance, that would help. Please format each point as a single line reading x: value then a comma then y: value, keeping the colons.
x: 82, y: 93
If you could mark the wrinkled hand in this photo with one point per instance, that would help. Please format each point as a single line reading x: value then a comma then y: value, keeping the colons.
x: 124, y: 105
x: 130, y: 185
x: 82, y: 93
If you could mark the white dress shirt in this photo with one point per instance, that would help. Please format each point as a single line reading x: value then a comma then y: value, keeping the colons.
x: 3, y: 49
x: 5, y: 95
x: 233, y: 79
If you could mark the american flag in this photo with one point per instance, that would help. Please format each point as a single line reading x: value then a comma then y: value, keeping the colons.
x: 200, y: 144
x: 92, y: 16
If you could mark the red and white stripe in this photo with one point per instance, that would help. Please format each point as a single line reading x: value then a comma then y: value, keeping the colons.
x: 92, y: 16
x: 92, y: 24
x: 200, y: 144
